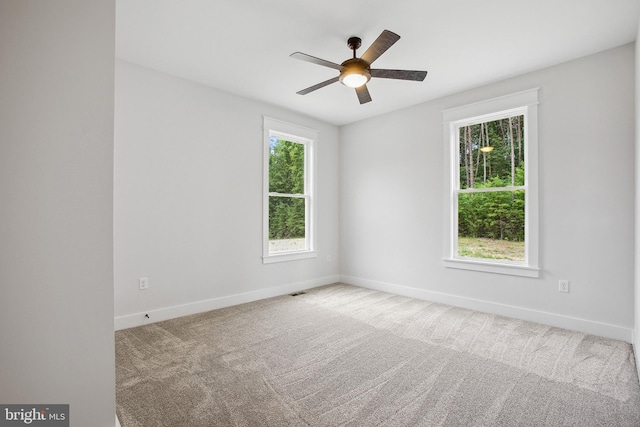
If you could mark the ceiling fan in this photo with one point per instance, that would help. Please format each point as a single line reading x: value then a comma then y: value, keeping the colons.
x: 356, y: 72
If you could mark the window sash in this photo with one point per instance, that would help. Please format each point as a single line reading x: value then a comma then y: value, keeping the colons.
x: 490, y: 189
x: 305, y: 195
x: 456, y: 235
x: 305, y: 237
x: 298, y: 195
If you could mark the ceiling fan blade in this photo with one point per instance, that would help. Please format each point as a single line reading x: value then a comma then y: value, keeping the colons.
x: 363, y: 94
x: 399, y: 74
x: 380, y: 46
x: 308, y: 58
x: 318, y: 86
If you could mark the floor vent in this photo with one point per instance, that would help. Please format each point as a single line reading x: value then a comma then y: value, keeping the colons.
x: 295, y: 294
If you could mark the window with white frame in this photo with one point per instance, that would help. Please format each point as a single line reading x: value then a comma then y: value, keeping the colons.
x: 289, y: 199
x: 493, y: 192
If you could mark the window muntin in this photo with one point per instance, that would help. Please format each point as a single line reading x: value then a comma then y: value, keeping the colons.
x: 493, y: 192
x: 289, y: 202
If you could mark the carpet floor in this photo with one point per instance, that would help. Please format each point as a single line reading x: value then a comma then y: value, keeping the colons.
x: 341, y: 355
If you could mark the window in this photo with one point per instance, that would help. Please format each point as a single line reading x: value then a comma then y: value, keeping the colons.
x: 493, y: 194
x: 289, y: 200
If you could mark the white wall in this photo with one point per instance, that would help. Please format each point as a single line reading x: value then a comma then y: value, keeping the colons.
x: 56, y: 193
x: 188, y: 199
x: 393, y: 194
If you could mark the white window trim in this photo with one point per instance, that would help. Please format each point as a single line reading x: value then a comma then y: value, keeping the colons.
x: 308, y: 137
x: 521, y: 102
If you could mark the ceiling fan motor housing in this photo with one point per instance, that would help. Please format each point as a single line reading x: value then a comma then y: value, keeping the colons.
x: 355, y: 67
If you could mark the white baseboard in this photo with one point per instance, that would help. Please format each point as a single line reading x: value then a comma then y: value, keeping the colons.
x: 166, y: 313
x: 551, y: 319
x: 636, y: 348
x: 117, y: 422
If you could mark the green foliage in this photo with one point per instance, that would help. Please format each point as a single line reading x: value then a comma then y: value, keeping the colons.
x: 286, y: 218
x: 503, y: 136
x: 495, y: 214
x: 286, y: 176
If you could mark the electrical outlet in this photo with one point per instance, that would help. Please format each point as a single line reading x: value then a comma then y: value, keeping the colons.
x: 563, y: 286
x: 328, y: 258
x: 143, y: 282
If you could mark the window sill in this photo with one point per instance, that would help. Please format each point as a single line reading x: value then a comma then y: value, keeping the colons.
x: 492, y: 267
x: 288, y: 256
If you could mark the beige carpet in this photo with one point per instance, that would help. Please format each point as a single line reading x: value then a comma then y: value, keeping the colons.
x: 342, y: 355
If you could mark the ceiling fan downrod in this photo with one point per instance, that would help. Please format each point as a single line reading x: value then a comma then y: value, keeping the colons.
x: 354, y: 43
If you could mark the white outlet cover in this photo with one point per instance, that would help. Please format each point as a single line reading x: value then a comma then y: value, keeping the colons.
x: 563, y: 286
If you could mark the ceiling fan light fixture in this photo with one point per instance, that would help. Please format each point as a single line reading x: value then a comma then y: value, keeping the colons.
x: 354, y: 73
x: 355, y: 79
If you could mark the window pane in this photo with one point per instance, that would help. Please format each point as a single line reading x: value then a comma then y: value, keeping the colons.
x: 492, y: 153
x: 491, y: 225
x: 286, y: 224
x: 286, y: 166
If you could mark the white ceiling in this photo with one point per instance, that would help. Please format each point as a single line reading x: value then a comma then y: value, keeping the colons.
x: 243, y: 46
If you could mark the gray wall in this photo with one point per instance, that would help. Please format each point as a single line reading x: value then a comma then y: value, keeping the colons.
x: 188, y: 199
x: 393, y: 194
x: 636, y: 337
x: 173, y: 161
x: 56, y: 174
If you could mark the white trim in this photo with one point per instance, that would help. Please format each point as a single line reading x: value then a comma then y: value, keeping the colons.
x: 308, y: 137
x: 288, y: 256
x: 166, y: 313
x: 488, y: 108
x: 289, y: 130
x: 543, y: 317
x: 502, y: 267
x: 636, y: 348
x: 520, y: 103
x: 117, y: 422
